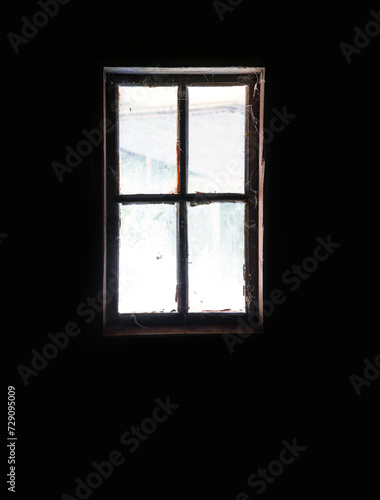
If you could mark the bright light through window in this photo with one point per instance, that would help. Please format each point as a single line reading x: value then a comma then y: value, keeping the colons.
x: 217, y: 139
x: 148, y: 131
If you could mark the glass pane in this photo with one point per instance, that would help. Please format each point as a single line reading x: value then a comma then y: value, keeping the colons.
x: 216, y: 139
x: 148, y: 266
x: 147, y: 140
x: 216, y: 257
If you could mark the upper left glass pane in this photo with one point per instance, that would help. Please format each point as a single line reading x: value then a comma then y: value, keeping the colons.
x: 147, y: 140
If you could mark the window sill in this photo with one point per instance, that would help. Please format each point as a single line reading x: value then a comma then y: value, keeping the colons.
x: 118, y: 331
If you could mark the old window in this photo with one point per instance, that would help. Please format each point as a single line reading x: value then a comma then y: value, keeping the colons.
x: 183, y: 199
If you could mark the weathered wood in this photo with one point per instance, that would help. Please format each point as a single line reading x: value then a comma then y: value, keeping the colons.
x: 182, y: 322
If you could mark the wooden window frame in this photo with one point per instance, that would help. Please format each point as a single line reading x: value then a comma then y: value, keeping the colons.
x: 184, y: 322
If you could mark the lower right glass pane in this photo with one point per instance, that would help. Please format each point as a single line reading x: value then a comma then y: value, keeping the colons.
x: 216, y: 257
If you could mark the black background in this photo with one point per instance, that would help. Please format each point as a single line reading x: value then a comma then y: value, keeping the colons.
x: 235, y: 409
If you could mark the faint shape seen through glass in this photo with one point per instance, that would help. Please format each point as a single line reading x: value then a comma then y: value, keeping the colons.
x: 147, y: 139
x: 217, y: 139
x: 148, y: 266
x: 216, y: 257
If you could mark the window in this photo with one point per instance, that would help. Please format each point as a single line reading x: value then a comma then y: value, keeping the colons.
x: 183, y: 199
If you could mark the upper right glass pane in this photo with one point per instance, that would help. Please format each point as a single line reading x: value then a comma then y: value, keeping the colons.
x: 217, y: 128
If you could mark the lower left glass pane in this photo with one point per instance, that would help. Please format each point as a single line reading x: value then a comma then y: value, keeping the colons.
x: 147, y: 258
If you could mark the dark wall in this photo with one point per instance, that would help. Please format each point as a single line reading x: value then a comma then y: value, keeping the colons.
x: 235, y: 408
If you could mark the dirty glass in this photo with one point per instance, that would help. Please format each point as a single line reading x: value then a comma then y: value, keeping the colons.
x: 147, y: 246
x: 216, y: 257
x: 216, y: 139
x: 147, y: 139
